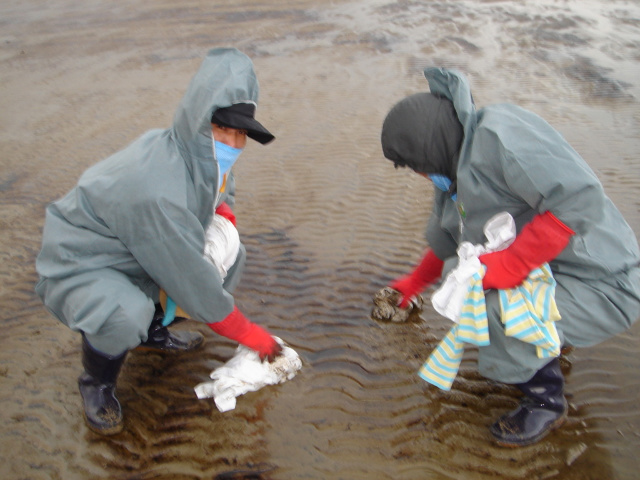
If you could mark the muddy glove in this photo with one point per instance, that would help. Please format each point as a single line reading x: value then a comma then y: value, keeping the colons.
x: 238, y: 327
x: 225, y: 211
x: 539, y: 242
x: 429, y: 270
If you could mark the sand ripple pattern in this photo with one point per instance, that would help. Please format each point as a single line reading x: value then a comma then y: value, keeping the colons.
x: 326, y: 222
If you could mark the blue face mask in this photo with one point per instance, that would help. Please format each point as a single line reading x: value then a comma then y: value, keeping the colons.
x: 226, y: 156
x: 442, y: 182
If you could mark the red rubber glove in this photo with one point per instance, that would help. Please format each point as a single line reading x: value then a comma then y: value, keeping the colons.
x: 429, y: 270
x: 225, y: 211
x: 540, y: 241
x: 238, y: 327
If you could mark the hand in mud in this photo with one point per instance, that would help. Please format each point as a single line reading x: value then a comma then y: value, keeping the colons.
x: 427, y: 271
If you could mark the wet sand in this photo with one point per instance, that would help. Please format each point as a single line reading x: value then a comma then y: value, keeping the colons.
x: 326, y: 221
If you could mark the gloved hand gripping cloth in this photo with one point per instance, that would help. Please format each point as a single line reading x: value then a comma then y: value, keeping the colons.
x: 238, y: 327
x: 528, y: 311
x: 245, y: 372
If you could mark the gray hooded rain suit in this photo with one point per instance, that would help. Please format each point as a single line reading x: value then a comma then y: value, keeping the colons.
x: 512, y: 160
x: 136, y: 222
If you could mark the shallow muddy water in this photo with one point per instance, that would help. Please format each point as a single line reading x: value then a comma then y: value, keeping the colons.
x: 326, y: 221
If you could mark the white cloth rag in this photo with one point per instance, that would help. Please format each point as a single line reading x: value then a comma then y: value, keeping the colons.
x: 245, y: 372
x: 500, y: 231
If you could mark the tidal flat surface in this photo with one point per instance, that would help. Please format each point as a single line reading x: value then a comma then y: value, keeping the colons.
x: 327, y: 222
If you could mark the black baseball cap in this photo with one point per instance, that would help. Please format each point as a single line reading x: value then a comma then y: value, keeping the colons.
x: 241, y: 117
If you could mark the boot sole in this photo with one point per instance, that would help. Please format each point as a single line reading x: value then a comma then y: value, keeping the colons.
x: 555, y: 425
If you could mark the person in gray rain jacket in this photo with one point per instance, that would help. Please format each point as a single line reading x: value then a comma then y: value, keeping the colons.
x: 135, y: 224
x: 503, y: 158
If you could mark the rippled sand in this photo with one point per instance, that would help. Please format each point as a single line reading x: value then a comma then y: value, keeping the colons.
x: 326, y: 221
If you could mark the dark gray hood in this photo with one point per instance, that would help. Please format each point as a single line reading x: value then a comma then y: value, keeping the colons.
x: 422, y: 132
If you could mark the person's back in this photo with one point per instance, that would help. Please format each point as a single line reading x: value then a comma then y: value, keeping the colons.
x: 531, y: 162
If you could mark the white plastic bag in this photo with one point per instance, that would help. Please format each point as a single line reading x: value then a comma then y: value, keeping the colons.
x: 500, y: 231
x: 222, y: 244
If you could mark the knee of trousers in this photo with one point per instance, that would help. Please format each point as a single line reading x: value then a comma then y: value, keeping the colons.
x: 506, y: 359
x: 126, y: 326
x: 111, y: 310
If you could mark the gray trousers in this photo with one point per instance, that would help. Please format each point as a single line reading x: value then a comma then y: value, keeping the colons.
x: 112, y: 309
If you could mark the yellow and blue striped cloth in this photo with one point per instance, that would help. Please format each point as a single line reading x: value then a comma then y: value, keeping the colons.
x: 528, y: 313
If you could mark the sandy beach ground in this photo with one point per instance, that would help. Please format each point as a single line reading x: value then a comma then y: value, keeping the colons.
x: 326, y: 222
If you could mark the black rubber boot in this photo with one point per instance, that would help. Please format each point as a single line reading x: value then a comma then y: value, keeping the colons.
x: 97, y: 386
x: 160, y: 339
x: 542, y: 410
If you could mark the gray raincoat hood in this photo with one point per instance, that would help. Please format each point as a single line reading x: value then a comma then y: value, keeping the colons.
x: 226, y: 77
x: 423, y: 133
